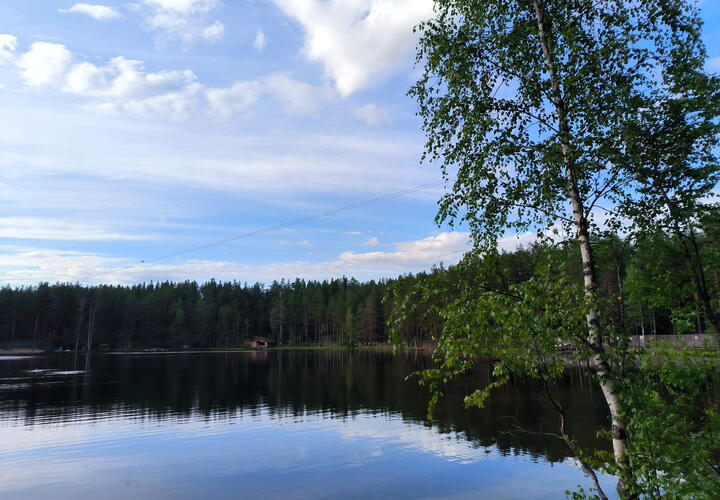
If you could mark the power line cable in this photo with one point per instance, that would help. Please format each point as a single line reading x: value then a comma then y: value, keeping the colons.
x: 283, y: 225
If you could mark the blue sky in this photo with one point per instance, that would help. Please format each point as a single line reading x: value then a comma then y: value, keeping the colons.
x: 132, y: 131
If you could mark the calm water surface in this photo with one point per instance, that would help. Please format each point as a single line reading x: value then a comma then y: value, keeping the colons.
x: 286, y: 425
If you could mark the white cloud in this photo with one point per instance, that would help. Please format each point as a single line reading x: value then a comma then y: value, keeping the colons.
x: 235, y: 100
x: 44, y: 64
x: 358, y: 41
x: 260, y: 42
x: 372, y: 114
x: 123, y: 79
x: 413, y: 254
x: 28, y: 266
x: 175, y: 104
x: 121, y: 85
x: 8, y: 45
x: 372, y: 241
x: 183, y: 20
x: 296, y: 96
x: 185, y: 7
x: 408, y: 256
x: 99, y: 12
x: 214, y: 31
x: 351, y: 233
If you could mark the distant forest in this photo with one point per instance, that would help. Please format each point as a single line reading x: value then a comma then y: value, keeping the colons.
x: 635, y: 277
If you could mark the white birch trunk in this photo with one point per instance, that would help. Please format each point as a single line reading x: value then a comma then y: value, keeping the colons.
x: 598, y: 362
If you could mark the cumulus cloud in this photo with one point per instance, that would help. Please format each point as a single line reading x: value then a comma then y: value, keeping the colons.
x: 235, y: 100
x: 184, y: 20
x: 358, y: 41
x: 214, y: 31
x: 185, y: 7
x: 413, y: 254
x: 8, y: 46
x: 44, y: 64
x: 372, y: 241
x: 99, y: 12
x: 260, y: 42
x: 27, y: 266
x: 296, y: 96
x: 123, y: 78
x: 176, y: 104
x: 372, y: 114
x: 121, y: 85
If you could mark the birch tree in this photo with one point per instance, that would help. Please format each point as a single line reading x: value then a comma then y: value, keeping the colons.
x: 535, y: 110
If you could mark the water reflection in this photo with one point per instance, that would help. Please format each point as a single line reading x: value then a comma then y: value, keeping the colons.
x: 274, y: 425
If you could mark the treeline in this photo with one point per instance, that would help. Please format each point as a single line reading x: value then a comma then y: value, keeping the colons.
x: 212, y: 314
x: 651, y: 286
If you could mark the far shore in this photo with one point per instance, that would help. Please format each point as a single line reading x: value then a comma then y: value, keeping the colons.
x: 21, y: 351
x: 659, y: 348
x: 244, y: 348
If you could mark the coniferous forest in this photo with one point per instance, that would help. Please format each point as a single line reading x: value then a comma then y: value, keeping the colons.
x: 655, y: 285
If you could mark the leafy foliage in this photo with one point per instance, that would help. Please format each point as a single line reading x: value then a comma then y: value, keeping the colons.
x: 673, y: 410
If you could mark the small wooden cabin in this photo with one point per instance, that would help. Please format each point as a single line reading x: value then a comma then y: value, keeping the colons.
x: 261, y: 343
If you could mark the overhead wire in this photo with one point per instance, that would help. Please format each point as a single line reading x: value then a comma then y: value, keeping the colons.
x: 320, y: 215
x: 316, y: 216
x: 283, y: 225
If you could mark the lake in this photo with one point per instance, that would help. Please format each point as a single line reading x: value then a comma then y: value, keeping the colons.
x: 281, y: 424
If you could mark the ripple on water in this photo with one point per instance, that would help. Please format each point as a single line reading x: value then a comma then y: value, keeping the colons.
x: 13, y: 387
x: 49, y: 372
